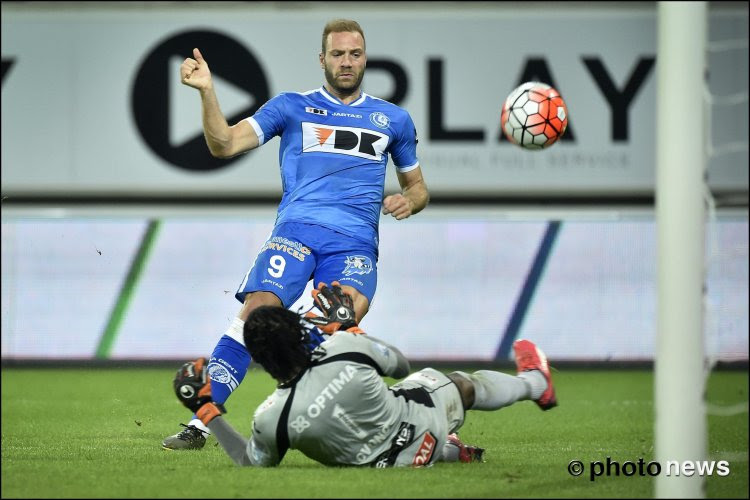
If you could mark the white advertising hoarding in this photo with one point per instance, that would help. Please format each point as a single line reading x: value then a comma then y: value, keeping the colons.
x: 71, y: 285
x: 92, y: 104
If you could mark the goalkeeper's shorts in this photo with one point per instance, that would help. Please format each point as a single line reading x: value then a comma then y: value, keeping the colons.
x: 297, y: 252
x: 434, y: 410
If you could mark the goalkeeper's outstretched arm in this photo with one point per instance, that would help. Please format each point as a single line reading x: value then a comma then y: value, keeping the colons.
x: 243, y: 452
x: 193, y: 388
x: 232, y: 441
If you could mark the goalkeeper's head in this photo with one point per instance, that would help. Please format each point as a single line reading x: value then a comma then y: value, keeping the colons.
x: 277, y: 339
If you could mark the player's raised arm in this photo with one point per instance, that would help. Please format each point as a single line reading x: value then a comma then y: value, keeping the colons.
x: 223, y: 141
x: 412, y: 198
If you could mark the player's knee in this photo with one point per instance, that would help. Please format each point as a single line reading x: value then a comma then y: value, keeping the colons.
x: 465, y: 387
x: 361, y: 304
x: 254, y: 300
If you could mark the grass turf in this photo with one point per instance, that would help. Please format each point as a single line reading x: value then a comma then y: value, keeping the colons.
x: 78, y: 433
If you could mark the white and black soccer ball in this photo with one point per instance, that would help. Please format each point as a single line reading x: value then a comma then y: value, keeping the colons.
x: 534, y: 116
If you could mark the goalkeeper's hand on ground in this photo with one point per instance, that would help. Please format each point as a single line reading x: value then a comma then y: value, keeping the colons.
x: 193, y: 388
x: 337, y: 307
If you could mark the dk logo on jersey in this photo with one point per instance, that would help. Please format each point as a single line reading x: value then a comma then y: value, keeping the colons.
x: 353, y: 141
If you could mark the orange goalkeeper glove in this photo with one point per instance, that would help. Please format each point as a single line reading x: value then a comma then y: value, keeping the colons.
x: 337, y: 307
x: 192, y: 385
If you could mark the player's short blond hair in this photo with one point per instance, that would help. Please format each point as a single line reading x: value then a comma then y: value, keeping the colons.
x: 340, y: 26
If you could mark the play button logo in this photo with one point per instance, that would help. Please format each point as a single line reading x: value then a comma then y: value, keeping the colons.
x: 168, y: 114
x: 185, y: 120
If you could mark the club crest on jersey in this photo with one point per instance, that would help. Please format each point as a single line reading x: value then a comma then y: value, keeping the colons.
x: 352, y: 141
x: 357, y: 264
x: 221, y: 375
x: 380, y: 120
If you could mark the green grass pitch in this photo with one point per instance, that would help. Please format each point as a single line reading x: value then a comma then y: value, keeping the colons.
x: 96, y: 433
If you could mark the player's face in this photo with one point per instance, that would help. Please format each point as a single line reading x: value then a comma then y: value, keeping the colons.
x: 344, y: 62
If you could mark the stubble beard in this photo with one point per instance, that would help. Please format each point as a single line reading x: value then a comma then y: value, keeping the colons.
x: 342, y: 90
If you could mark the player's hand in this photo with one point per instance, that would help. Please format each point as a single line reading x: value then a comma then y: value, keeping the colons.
x: 193, y: 385
x: 194, y: 72
x: 398, y: 205
x: 337, y: 307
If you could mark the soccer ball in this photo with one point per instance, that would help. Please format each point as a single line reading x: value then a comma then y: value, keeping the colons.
x: 534, y: 116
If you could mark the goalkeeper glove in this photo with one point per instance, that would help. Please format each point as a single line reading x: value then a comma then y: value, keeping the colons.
x: 192, y: 385
x: 337, y: 307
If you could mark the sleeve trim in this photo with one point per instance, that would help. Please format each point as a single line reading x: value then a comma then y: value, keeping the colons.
x: 258, y: 131
x: 408, y: 168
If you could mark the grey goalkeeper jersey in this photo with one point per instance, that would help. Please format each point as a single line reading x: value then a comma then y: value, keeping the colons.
x: 341, y: 412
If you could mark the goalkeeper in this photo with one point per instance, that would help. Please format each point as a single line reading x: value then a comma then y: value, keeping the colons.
x: 332, y: 404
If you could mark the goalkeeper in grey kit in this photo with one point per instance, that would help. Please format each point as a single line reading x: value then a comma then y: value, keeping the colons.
x: 332, y: 404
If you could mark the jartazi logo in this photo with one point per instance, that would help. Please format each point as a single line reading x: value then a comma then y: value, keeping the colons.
x: 353, y: 141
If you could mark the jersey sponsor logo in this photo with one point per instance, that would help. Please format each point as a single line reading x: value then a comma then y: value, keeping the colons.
x: 272, y: 283
x: 348, y: 422
x: 316, y: 111
x: 380, y: 436
x: 357, y: 264
x: 347, y: 115
x: 334, y: 387
x: 281, y: 244
x: 352, y: 141
x: 347, y: 279
x: 380, y: 120
x: 404, y: 436
x: 425, y: 451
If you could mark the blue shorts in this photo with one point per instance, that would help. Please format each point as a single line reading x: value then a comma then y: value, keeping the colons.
x: 297, y: 252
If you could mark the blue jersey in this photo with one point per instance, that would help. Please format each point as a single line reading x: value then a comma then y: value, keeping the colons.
x: 333, y: 157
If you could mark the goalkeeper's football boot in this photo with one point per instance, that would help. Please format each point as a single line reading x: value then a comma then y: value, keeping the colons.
x: 466, y: 454
x: 190, y: 438
x: 530, y: 357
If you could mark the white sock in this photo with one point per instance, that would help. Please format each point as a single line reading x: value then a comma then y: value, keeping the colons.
x: 235, y: 330
x: 450, y: 452
x: 537, y: 383
x: 196, y: 422
x: 494, y: 390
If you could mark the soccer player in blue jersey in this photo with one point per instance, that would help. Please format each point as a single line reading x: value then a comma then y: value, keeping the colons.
x: 335, y: 142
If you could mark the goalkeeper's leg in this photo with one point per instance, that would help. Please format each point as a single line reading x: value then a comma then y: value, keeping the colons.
x: 490, y: 390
